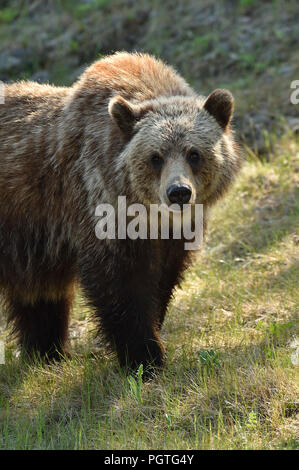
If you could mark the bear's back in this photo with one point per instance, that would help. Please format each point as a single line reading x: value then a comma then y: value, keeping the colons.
x: 136, y: 77
x: 25, y: 116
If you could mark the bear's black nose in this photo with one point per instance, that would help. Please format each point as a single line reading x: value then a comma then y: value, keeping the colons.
x: 179, y: 193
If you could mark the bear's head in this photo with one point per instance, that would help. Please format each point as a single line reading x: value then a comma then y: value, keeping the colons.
x: 177, y: 149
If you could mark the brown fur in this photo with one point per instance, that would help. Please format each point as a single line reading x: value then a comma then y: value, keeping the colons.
x: 65, y: 150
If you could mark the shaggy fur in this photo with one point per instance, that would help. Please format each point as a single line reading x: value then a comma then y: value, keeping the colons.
x: 65, y: 150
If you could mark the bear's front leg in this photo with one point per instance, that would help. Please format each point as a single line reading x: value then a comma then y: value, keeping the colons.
x: 136, y: 340
x: 124, y: 295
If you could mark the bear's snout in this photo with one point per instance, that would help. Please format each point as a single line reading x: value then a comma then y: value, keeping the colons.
x: 179, y: 194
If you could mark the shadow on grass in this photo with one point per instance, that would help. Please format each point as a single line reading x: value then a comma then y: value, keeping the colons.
x: 89, y: 397
x: 49, y: 406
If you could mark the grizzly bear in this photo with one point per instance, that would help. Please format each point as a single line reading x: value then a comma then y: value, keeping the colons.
x: 129, y: 126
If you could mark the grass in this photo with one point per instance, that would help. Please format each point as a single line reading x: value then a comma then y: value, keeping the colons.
x: 230, y: 381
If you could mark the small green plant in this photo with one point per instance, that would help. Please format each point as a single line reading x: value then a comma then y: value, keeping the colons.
x: 74, y: 45
x: 168, y: 420
x: 209, y: 358
x: 136, y: 384
x: 8, y: 14
x: 251, y: 420
x: 247, y: 60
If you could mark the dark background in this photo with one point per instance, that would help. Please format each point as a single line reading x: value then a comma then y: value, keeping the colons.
x: 248, y: 46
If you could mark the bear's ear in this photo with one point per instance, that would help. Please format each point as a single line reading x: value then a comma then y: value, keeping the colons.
x: 220, y: 104
x: 124, y: 114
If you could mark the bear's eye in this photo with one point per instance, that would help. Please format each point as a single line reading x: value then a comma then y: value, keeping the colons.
x: 194, y: 157
x: 156, y: 161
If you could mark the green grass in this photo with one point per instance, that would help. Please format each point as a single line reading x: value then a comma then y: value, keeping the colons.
x: 8, y: 14
x: 230, y: 381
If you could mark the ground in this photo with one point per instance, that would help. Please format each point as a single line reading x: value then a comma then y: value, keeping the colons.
x: 231, y: 377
